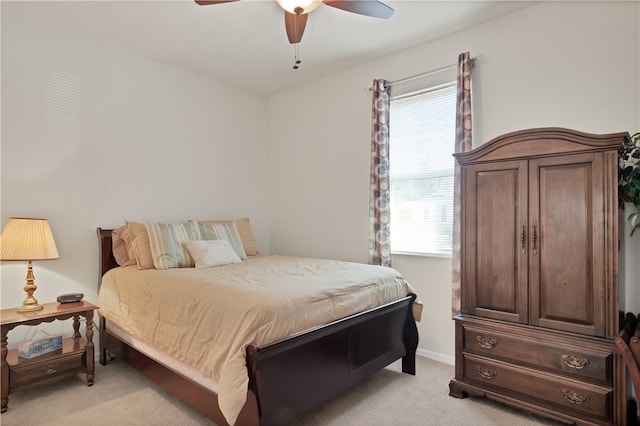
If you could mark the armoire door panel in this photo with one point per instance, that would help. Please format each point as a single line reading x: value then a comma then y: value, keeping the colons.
x: 562, y: 283
x: 496, y: 202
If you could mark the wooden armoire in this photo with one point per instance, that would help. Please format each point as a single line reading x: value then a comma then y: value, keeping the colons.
x: 539, y: 289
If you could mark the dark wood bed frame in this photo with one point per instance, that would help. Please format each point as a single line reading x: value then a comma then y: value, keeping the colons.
x: 290, y: 377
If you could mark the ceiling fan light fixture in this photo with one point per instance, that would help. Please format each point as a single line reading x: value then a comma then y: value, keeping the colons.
x: 291, y: 6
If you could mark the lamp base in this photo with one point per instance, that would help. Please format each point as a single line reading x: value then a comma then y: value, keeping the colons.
x: 30, y: 308
x: 30, y: 303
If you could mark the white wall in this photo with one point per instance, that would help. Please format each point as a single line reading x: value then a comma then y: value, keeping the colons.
x: 141, y: 140
x: 93, y: 136
x: 566, y: 64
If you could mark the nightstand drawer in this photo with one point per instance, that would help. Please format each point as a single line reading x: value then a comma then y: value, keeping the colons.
x: 570, y: 358
x: 68, y: 360
x: 547, y: 389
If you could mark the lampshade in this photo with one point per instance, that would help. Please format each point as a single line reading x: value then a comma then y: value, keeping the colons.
x: 27, y: 239
x: 306, y: 5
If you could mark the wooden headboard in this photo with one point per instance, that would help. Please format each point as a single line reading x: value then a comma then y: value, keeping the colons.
x: 105, y: 252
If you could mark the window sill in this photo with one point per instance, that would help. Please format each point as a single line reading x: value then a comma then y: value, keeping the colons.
x: 433, y: 255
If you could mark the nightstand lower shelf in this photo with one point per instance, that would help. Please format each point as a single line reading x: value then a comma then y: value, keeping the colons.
x: 69, y: 359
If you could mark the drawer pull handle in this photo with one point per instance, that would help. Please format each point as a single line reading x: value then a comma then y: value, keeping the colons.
x: 50, y: 369
x: 486, y: 342
x: 486, y: 373
x: 575, y: 397
x: 575, y: 362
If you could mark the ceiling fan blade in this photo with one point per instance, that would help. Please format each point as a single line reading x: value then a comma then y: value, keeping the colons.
x: 208, y: 2
x: 294, y: 25
x: 372, y: 8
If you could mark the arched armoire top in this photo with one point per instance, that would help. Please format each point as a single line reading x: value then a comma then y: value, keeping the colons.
x: 540, y: 142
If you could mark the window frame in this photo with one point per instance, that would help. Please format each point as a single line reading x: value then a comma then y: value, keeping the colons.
x: 448, y: 84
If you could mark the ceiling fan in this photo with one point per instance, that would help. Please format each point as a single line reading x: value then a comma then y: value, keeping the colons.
x: 295, y: 11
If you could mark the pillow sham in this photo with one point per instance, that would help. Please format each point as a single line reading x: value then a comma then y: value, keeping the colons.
x: 165, y: 240
x: 122, y: 249
x: 140, y: 245
x: 223, y: 230
x: 209, y: 253
x: 244, y: 229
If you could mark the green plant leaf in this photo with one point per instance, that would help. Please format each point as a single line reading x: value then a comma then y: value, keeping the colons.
x: 629, y: 177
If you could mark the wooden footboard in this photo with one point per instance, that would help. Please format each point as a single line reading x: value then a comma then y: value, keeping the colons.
x: 293, y: 376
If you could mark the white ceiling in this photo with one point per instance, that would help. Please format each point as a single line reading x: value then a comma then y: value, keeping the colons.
x: 244, y: 42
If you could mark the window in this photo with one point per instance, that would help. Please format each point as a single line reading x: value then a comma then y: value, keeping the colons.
x: 422, y: 138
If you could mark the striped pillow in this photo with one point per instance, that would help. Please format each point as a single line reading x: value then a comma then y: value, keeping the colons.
x: 166, y: 244
x: 246, y: 234
x: 223, y: 230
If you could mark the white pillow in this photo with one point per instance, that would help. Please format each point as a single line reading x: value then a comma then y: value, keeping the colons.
x: 208, y: 253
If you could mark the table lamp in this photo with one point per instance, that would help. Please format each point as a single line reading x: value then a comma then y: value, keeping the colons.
x: 28, y: 239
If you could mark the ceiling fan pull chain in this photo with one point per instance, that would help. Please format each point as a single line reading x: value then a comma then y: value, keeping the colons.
x: 296, y: 52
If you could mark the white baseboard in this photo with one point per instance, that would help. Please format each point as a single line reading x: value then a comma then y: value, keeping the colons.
x: 446, y: 359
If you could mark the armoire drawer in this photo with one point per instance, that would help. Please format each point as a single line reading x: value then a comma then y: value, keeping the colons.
x: 572, y: 359
x: 539, y: 388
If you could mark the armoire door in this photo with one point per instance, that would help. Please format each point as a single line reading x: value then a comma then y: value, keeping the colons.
x: 566, y: 243
x: 495, y: 249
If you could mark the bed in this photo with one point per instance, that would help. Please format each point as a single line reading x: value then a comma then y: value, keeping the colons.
x: 286, y: 377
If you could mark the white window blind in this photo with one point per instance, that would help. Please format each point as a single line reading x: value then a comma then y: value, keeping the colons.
x: 422, y: 138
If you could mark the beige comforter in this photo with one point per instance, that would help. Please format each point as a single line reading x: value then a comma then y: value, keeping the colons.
x: 207, y: 317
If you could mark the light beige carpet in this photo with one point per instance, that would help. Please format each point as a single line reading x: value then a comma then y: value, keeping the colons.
x: 122, y: 396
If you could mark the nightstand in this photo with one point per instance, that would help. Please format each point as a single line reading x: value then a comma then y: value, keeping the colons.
x: 76, y: 354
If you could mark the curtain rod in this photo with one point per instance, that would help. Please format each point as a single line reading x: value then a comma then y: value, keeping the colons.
x: 472, y: 61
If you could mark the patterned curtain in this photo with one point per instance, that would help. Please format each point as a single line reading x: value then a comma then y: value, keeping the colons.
x: 379, y: 243
x: 462, y: 144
